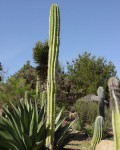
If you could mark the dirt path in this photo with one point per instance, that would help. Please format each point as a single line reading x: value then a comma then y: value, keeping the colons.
x: 79, y: 142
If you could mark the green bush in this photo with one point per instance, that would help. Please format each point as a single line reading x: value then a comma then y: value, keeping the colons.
x: 87, y: 112
x: 86, y: 115
x: 107, y: 128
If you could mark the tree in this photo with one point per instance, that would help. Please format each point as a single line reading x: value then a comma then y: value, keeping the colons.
x: 40, y: 56
x: 28, y: 73
x: 1, y: 71
x: 16, y: 85
x: 87, y: 73
x: 12, y: 90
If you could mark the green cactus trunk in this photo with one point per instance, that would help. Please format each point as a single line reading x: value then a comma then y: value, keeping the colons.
x: 100, y: 93
x: 97, y: 136
x: 114, y: 89
x: 54, y: 30
x: 116, y: 123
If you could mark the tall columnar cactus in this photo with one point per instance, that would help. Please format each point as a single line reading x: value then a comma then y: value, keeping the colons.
x: 38, y: 87
x: 114, y: 90
x: 97, y: 136
x: 54, y: 30
x: 100, y: 93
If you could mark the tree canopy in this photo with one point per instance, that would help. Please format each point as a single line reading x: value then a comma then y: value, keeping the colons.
x: 88, y: 72
x: 16, y: 85
x: 40, y: 56
x: 1, y: 71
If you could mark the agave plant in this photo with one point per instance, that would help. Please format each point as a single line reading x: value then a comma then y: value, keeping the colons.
x: 62, y: 132
x: 23, y: 127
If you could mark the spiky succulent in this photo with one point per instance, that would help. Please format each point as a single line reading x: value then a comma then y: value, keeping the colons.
x: 23, y: 127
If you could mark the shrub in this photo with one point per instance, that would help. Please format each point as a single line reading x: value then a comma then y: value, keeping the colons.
x: 87, y: 112
x: 107, y: 128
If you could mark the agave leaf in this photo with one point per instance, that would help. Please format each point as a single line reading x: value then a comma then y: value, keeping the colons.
x: 35, y: 124
x: 27, y: 141
x: 7, y: 145
x: 6, y: 125
x: 40, y: 125
x: 6, y: 140
x: 14, y: 121
x: 41, y: 114
x: 59, y: 124
x: 61, y: 136
x: 17, y: 119
x: 25, y: 120
x: 15, y: 109
x: 31, y: 125
x: 4, y: 135
x: 38, y: 146
x: 42, y: 133
x: 58, y: 116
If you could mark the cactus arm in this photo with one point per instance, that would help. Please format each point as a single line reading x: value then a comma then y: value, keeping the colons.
x: 54, y: 29
x: 97, y: 136
x: 116, y: 122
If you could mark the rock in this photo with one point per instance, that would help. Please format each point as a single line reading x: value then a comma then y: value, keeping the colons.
x: 105, y: 145
x: 90, y: 97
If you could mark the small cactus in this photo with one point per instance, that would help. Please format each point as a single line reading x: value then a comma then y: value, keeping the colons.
x: 100, y: 93
x: 97, y: 136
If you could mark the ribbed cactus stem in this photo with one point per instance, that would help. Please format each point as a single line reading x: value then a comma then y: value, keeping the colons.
x: 54, y: 29
x: 100, y: 93
x: 114, y: 89
x: 97, y: 136
x: 116, y: 123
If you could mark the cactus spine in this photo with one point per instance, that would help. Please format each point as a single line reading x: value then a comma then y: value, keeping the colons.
x: 97, y: 136
x: 100, y: 93
x: 114, y: 90
x: 54, y: 29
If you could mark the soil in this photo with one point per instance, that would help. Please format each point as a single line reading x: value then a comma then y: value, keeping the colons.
x: 80, y: 141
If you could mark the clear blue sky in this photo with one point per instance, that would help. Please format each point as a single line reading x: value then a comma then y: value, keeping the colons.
x: 86, y: 25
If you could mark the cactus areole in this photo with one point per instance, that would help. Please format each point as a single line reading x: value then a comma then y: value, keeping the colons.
x: 54, y: 30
